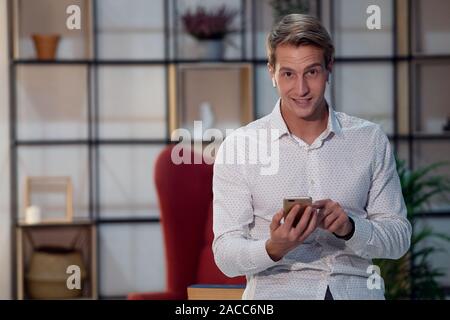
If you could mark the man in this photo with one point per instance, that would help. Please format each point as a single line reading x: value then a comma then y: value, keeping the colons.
x: 344, y: 163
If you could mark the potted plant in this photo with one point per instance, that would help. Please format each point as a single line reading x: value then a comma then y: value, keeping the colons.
x: 446, y: 126
x: 413, y: 276
x: 285, y: 7
x: 209, y: 27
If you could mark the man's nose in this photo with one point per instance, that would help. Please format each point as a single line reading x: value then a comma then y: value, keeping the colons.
x: 302, y: 87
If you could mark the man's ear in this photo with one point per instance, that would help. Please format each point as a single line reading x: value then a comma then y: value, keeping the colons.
x: 272, y: 74
x: 329, y: 69
x: 271, y: 70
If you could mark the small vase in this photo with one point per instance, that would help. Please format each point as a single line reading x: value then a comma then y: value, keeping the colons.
x: 46, y: 45
x: 211, y: 49
x: 446, y: 126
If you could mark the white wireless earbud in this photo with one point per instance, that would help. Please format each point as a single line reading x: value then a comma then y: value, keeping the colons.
x: 274, y: 84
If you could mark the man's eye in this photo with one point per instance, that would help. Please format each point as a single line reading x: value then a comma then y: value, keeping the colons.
x: 288, y: 74
x: 312, y: 72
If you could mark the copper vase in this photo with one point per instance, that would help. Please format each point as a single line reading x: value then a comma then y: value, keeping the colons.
x: 46, y: 45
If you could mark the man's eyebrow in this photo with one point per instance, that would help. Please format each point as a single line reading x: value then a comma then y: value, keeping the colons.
x: 286, y: 69
x: 316, y: 64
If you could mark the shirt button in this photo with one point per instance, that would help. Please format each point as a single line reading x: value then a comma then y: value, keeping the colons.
x: 311, y: 182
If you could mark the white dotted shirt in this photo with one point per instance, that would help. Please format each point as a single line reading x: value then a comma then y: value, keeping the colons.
x: 352, y: 163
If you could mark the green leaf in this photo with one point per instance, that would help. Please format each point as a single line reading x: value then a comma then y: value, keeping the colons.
x: 413, y: 276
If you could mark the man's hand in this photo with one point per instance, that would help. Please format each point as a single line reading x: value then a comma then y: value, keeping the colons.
x: 333, y: 217
x: 284, y: 237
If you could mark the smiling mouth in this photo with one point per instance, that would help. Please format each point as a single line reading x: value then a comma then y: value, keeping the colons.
x: 302, y: 101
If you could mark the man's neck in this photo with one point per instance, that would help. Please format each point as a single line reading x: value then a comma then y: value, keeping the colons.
x: 307, y: 129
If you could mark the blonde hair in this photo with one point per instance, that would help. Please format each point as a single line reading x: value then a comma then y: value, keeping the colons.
x: 297, y: 30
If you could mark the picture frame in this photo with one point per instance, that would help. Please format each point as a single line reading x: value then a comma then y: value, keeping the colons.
x: 225, y: 89
x: 50, y: 185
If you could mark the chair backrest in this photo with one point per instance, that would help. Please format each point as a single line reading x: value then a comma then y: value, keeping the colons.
x: 207, y: 271
x: 185, y: 200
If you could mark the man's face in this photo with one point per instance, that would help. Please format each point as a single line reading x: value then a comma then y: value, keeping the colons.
x: 301, y: 75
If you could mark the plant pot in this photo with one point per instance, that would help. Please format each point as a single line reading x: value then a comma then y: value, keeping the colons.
x: 47, y: 278
x: 46, y: 45
x: 211, y: 49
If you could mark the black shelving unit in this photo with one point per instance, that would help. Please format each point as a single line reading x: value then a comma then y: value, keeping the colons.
x: 248, y: 54
x: 394, y: 60
x: 411, y: 58
x: 92, y: 141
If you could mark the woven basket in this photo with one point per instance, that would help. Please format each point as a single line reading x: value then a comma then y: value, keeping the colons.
x: 47, y: 277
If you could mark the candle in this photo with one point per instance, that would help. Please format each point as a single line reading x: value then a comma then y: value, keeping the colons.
x: 33, y: 215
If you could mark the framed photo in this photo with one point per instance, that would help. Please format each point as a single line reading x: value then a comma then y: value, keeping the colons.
x: 217, y: 95
x: 52, y: 197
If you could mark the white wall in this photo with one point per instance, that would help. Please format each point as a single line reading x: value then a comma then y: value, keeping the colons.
x: 5, y: 274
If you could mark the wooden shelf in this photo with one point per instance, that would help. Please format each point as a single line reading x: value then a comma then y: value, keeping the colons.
x: 423, y: 136
x: 86, y: 222
x: 215, y: 292
x: 135, y: 62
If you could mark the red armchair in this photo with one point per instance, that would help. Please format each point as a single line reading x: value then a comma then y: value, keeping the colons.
x: 185, y: 199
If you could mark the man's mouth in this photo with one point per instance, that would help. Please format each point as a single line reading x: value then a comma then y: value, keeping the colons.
x: 302, y: 101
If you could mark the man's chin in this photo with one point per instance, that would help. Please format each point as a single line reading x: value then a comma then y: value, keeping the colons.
x: 303, y: 110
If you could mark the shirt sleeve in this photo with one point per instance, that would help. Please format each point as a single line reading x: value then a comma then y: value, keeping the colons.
x: 235, y: 252
x: 386, y: 232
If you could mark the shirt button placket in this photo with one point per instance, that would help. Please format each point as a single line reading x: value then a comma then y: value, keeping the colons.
x: 310, y: 180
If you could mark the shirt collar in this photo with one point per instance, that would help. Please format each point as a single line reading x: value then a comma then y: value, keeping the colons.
x: 277, y: 122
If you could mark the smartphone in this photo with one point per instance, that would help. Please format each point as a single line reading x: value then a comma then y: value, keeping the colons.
x: 288, y: 203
